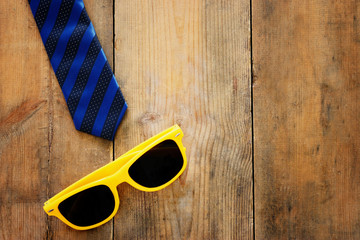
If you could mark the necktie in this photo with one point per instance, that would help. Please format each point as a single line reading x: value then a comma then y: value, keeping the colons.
x: 92, y: 94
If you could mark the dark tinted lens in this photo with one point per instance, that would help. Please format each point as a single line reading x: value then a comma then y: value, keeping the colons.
x: 157, y: 166
x: 88, y: 207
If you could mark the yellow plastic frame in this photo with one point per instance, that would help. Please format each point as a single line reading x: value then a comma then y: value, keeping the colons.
x: 115, y: 173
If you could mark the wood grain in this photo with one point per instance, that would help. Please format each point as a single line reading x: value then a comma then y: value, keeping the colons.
x: 76, y: 154
x: 41, y: 152
x: 187, y: 62
x: 306, y: 119
x: 176, y: 62
x: 23, y: 125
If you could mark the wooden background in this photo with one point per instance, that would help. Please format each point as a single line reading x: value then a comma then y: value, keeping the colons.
x: 266, y: 92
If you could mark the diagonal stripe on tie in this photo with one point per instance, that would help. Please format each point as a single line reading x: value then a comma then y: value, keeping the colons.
x: 65, y: 36
x: 78, y: 60
x: 34, y: 4
x: 113, y: 115
x: 60, y: 24
x: 72, y: 48
x: 41, y: 12
x: 96, y: 99
x: 104, y: 107
x: 90, y: 89
x: 50, y: 20
x: 83, y: 76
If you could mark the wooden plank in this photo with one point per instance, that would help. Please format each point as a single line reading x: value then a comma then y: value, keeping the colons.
x: 40, y: 150
x: 23, y: 125
x: 76, y: 154
x: 306, y: 119
x: 187, y: 62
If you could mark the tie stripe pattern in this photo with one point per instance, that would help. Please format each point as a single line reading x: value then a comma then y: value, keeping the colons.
x: 93, y: 96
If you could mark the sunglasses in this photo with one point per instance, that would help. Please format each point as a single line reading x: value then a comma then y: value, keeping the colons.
x: 94, y: 199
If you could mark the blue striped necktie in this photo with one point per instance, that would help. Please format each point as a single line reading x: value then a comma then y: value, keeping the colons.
x: 92, y: 94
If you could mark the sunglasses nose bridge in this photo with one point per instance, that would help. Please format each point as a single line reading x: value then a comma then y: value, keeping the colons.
x: 119, y: 177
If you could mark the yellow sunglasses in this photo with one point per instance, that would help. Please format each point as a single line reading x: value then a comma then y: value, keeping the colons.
x: 94, y: 199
